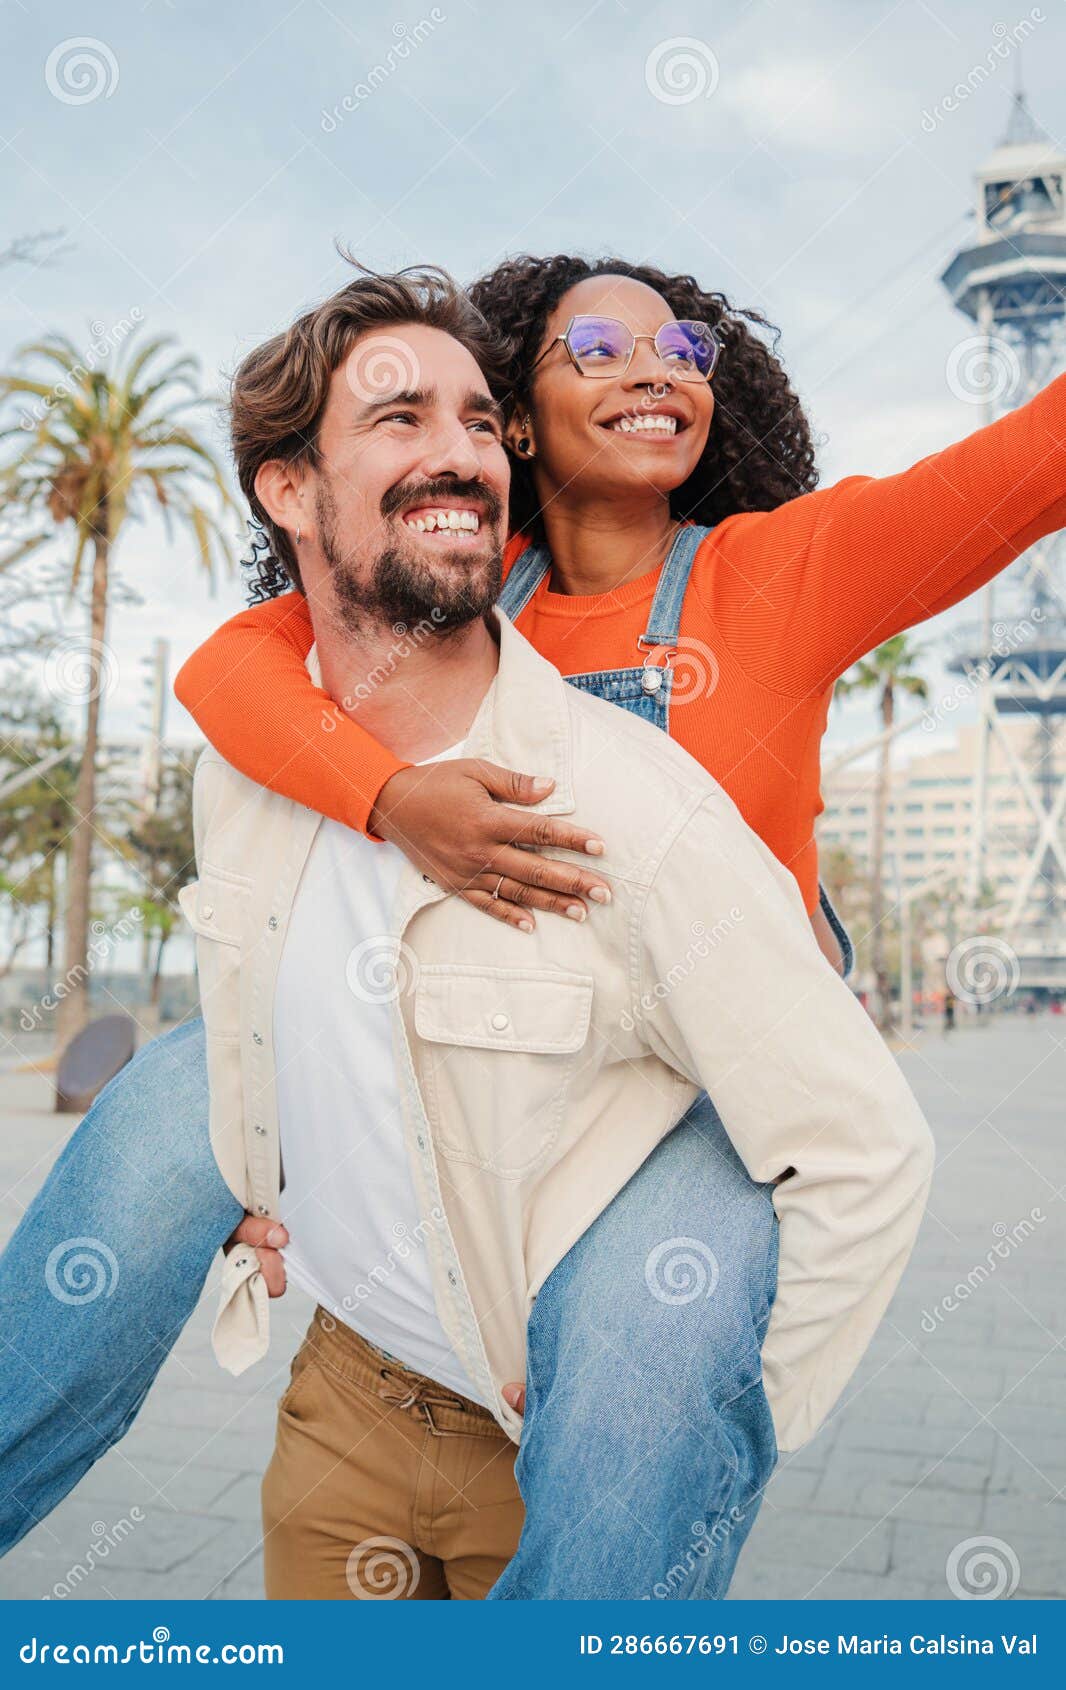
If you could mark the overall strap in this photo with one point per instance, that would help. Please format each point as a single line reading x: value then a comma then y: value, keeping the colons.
x: 664, y: 619
x: 526, y: 575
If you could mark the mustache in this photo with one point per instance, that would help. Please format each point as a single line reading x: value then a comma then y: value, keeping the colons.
x: 444, y: 489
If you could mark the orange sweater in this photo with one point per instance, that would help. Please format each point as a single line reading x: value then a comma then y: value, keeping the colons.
x: 780, y: 603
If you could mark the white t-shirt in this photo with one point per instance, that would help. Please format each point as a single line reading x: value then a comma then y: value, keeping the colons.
x: 358, y: 1242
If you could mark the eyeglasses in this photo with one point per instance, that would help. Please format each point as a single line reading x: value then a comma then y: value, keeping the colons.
x: 602, y: 346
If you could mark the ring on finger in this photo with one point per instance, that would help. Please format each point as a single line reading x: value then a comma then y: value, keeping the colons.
x: 499, y: 883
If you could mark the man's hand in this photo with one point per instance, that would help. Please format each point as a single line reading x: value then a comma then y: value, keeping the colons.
x: 266, y: 1237
x: 515, y: 1396
x: 458, y: 822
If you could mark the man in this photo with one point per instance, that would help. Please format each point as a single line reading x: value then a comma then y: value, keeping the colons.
x: 477, y: 1093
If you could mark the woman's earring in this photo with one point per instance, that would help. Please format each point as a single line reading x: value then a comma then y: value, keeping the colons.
x: 299, y: 532
x: 523, y: 445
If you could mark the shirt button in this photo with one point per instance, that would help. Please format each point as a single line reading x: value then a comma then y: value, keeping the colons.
x: 257, y: 1038
x: 500, y: 1021
x: 421, y: 1142
x: 261, y: 1209
x: 429, y: 880
x: 273, y: 924
x: 260, y: 1129
x: 451, y: 1278
x: 240, y: 1261
x: 207, y: 911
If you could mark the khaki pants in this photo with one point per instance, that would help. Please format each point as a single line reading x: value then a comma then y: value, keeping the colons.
x: 383, y: 1484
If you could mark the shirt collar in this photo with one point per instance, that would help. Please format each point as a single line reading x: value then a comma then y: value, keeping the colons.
x: 523, y: 721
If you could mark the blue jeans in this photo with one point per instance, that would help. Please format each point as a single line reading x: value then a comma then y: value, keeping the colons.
x: 647, y: 1437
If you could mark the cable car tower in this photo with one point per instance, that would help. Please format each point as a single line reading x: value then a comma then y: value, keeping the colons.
x: 1011, y: 282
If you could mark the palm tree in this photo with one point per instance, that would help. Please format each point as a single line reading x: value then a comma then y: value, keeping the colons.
x: 887, y: 671
x: 91, y: 444
x: 160, y: 842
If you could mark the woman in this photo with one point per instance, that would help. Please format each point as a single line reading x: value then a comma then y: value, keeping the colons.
x: 731, y: 640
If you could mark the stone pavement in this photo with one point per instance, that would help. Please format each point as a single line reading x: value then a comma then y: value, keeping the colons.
x: 948, y: 1448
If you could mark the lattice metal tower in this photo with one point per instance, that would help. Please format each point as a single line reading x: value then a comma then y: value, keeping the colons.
x: 1011, y: 281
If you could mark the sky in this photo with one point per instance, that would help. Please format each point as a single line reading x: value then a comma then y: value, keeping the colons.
x: 806, y: 159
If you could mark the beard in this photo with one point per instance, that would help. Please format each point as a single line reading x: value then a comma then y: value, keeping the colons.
x: 401, y: 587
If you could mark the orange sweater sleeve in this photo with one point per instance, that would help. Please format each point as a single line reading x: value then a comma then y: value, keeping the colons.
x: 248, y: 689
x: 800, y: 593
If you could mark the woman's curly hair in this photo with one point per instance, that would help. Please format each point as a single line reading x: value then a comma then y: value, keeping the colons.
x: 759, y: 452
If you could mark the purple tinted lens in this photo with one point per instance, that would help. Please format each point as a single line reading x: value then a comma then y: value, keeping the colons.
x: 692, y: 343
x: 599, y: 340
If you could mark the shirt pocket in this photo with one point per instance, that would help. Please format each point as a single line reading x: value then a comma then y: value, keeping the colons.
x: 499, y: 1050
x: 216, y: 908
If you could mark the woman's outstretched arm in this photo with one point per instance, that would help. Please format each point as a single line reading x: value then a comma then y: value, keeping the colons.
x: 801, y: 592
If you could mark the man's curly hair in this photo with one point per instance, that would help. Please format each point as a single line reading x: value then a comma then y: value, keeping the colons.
x: 759, y: 452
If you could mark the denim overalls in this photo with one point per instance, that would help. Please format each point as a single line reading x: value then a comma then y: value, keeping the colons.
x: 645, y: 690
